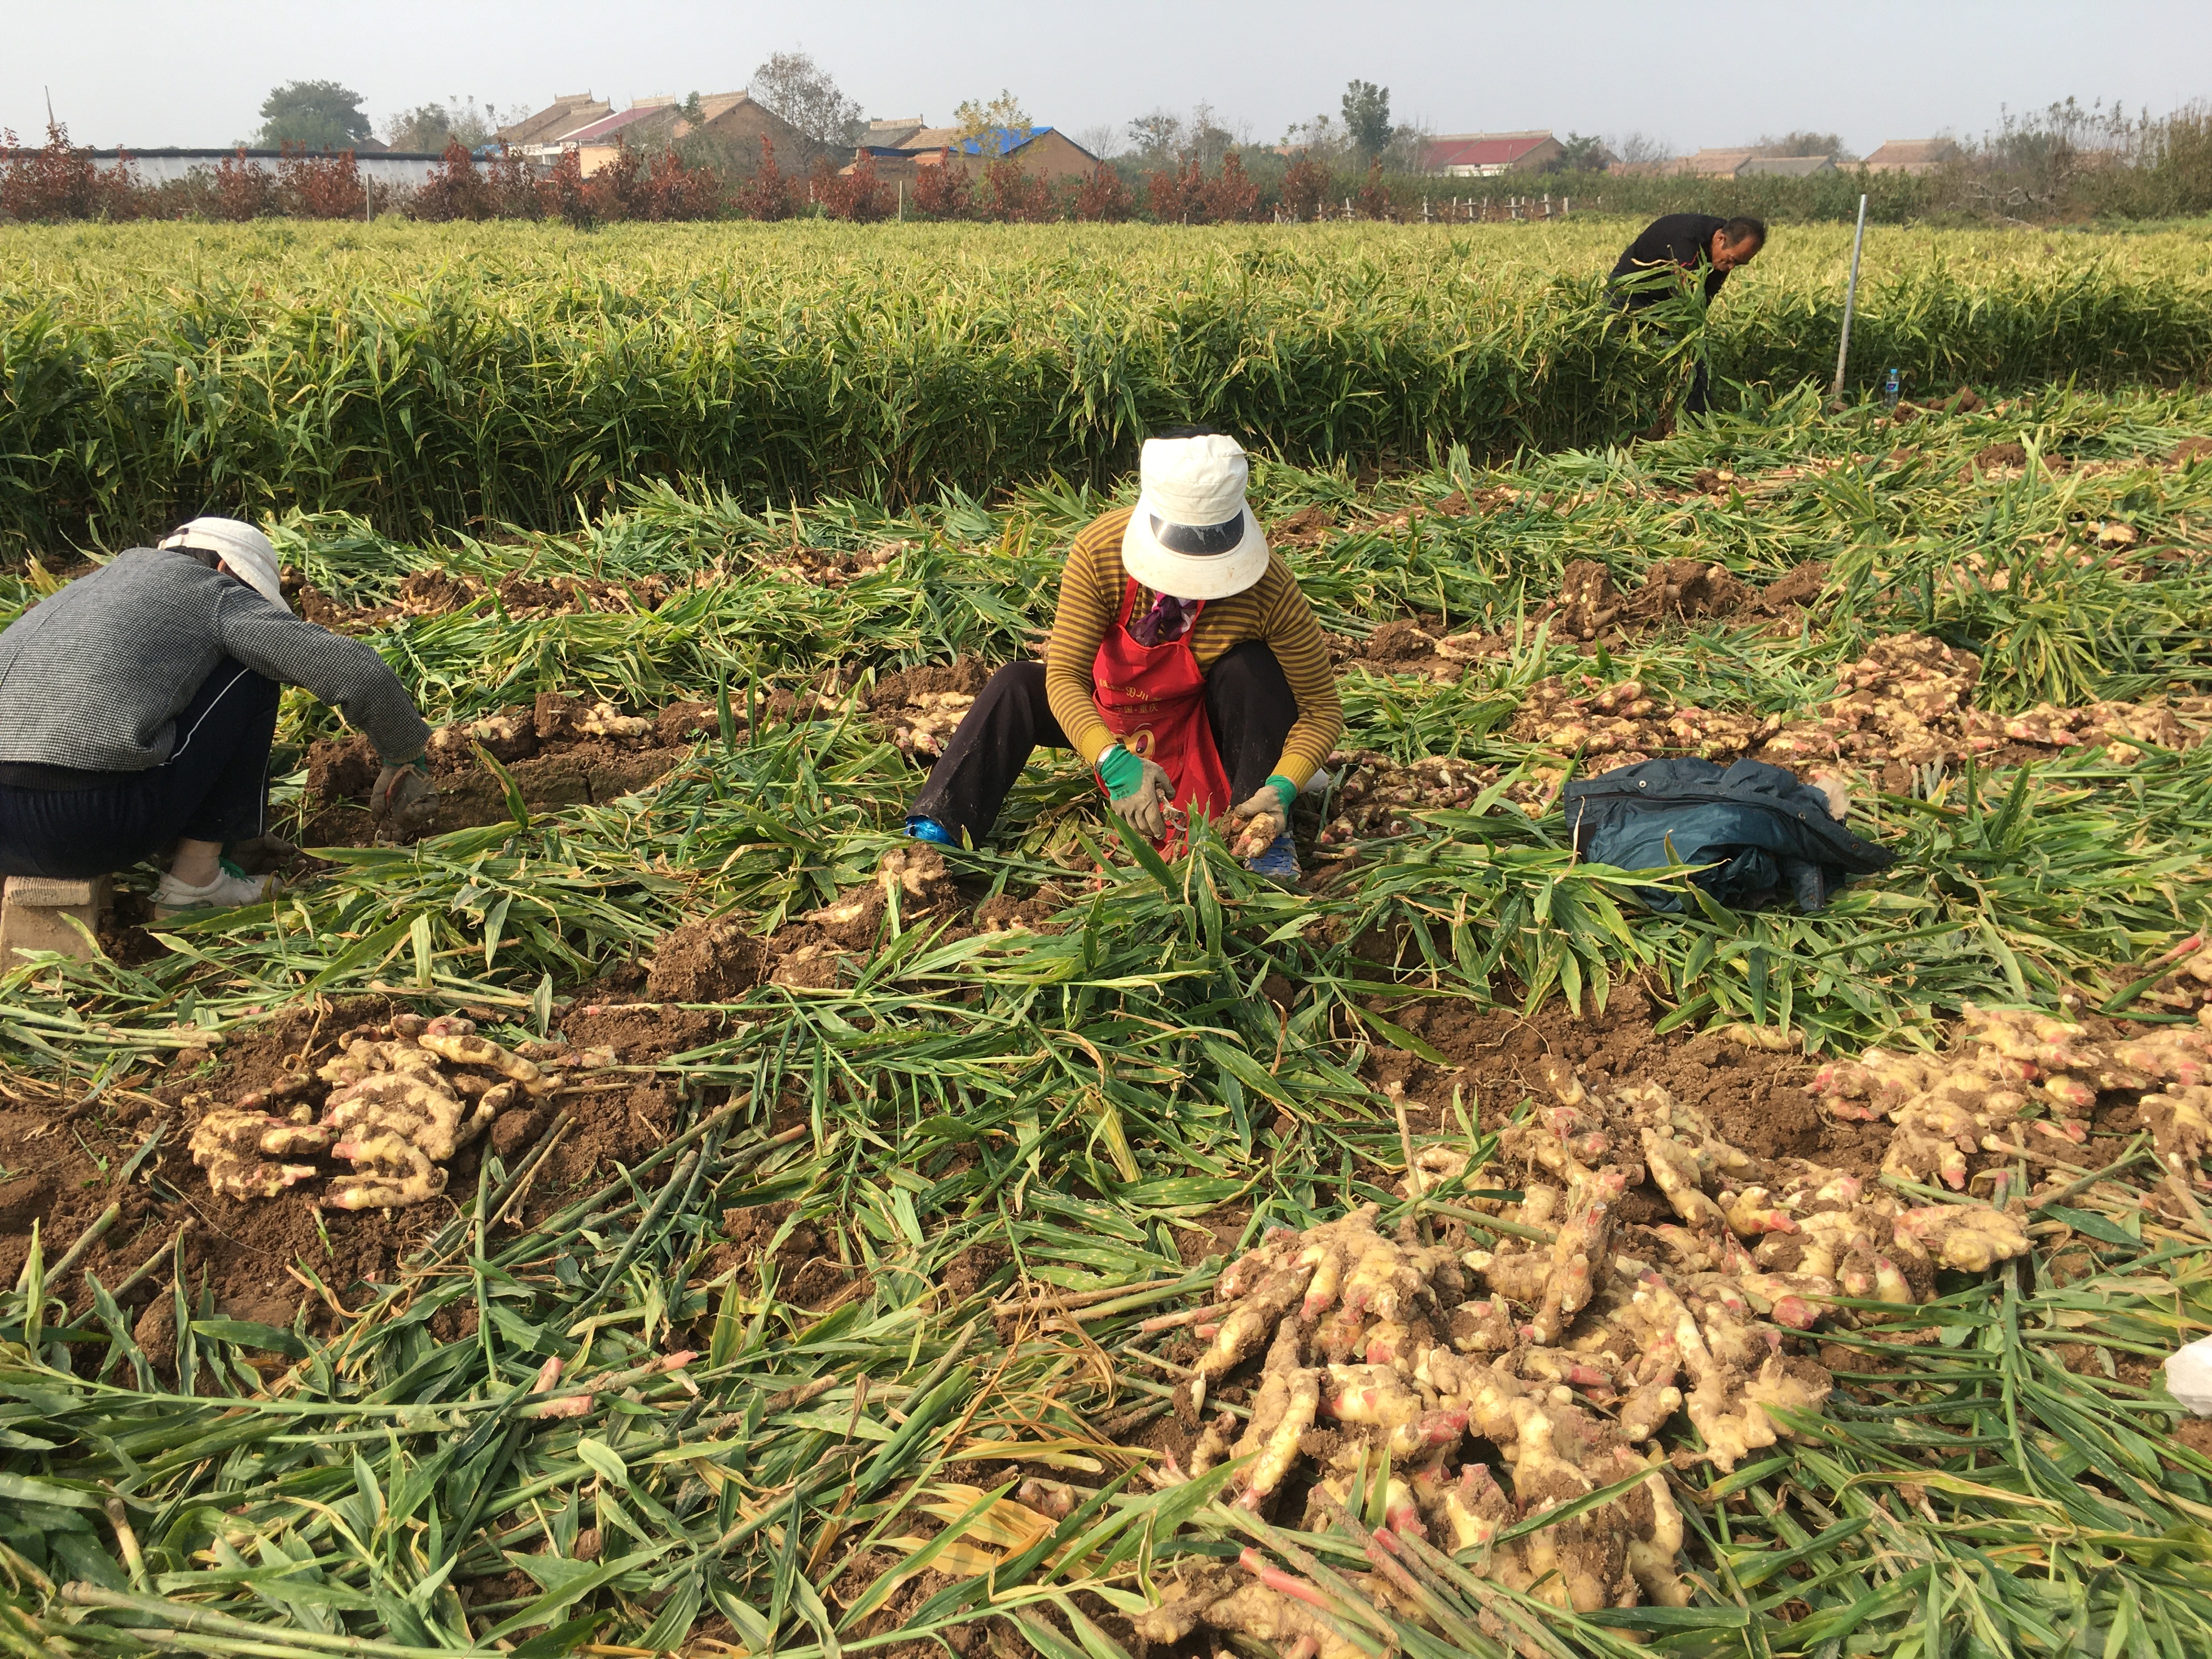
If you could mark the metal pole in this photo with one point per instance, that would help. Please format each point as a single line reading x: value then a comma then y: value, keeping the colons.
x: 1850, y: 301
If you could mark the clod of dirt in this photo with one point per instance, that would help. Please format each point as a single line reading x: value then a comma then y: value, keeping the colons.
x: 1686, y: 588
x: 1800, y: 586
x: 915, y: 872
x: 1588, y: 604
x: 716, y: 960
x: 919, y: 708
x: 1421, y: 646
x: 402, y: 1099
x: 23, y: 1200
x: 1307, y: 527
x: 2189, y: 451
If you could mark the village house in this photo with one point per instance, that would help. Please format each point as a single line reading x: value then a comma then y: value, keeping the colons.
x: 538, y: 137
x: 1488, y: 155
x: 1043, y: 152
x: 1911, y: 155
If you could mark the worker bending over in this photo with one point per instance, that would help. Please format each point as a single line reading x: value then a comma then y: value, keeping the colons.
x: 1184, y: 664
x: 1685, y: 242
x: 138, y: 704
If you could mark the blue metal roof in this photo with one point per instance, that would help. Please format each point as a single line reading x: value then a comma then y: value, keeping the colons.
x: 1005, y: 140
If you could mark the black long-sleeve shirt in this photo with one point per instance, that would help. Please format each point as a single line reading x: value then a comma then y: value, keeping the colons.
x: 1681, y: 239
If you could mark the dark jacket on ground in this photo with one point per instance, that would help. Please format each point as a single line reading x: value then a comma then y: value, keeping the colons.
x: 1765, y: 834
x: 1681, y: 239
x: 94, y: 677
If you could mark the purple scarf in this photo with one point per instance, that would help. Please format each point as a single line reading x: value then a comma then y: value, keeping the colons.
x: 1165, y: 620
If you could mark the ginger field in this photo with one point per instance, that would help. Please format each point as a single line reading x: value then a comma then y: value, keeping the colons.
x: 825, y: 1244
x: 434, y: 378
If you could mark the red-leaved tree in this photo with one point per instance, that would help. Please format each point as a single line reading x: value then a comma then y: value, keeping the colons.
x: 1011, y: 196
x: 323, y: 186
x: 1305, y: 186
x: 563, y: 194
x: 1177, y: 197
x: 671, y: 190
x: 454, y: 189
x: 512, y: 185
x: 243, y: 190
x: 1372, y: 200
x: 1104, y: 198
x: 767, y: 194
x: 1230, y: 197
x: 57, y: 181
x: 861, y: 194
x: 943, y: 190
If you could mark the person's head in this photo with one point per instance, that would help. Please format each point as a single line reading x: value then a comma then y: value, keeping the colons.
x: 1193, y: 534
x: 1737, y: 243
x: 236, y: 549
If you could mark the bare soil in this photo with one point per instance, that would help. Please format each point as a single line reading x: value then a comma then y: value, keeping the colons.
x: 60, y: 1167
x: 548, y: 748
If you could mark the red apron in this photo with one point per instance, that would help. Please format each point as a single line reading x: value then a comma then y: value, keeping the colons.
x: 1152, y: 698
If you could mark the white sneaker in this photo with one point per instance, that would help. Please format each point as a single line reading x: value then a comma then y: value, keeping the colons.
x: 226, y: 892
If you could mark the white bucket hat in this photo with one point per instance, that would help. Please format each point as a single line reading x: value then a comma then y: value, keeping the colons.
x: 250, y: 555
x: 1192, y: 535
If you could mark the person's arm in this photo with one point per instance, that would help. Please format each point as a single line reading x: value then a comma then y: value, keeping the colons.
x: 346, y: 673
x: 1085, y: 614
x: 1294, y: 636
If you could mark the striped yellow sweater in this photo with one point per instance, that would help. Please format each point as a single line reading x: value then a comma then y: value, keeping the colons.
x: 1273, y: 611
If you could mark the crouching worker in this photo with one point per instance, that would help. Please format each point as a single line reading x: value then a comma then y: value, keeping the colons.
x: 1184, y: 664
x: 138, y: 704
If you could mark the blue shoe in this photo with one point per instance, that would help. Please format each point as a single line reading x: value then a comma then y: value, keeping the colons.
x: 930, y: 830
x: 1279, y: 862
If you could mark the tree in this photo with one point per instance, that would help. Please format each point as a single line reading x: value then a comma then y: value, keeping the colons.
x: 1002, y: 123
x: 1367, y: 116
x: 1584, y: 152
x: 793, y: 85
x: 1231, y: 197
x: 1638, y: 149
x: 1158, y: 137
x: 313, y: 115
x: 1804, y: 143
x: 1305, y: 187
x: 430, y: 127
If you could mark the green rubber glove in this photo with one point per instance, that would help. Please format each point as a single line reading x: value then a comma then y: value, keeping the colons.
x: 1121, y: 771
x: 1282, y: 787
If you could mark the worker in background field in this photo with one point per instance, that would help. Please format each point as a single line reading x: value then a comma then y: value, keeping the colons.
x: 1184, y: 664
x: 1687, y: 242
x: 138, y: 704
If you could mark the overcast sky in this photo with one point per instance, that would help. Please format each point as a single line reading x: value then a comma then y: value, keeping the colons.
x: 193, y: 72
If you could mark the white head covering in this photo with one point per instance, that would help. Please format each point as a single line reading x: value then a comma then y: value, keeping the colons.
x: 249, y: 554
x: 1192, y: 535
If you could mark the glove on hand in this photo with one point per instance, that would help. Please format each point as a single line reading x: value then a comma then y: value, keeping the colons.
x: 403, y: 791
x: 1139, y: 790
x: 1263, y: 817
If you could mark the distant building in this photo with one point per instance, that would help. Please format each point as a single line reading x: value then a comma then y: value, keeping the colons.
x: 1785, y: 167
x: 1713, y: 163
x: 1043, y: 152
x: 538, y: 137
x: 1487, y: 154
x: 1911, y: 155
x: 597, y: 143
x: 889, y: 132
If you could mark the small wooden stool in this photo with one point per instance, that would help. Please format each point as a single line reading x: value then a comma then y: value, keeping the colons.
x: 33, y: 914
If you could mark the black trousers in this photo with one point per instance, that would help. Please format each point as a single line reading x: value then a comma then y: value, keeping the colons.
x: 214, y: 786
x: 1248, y: 703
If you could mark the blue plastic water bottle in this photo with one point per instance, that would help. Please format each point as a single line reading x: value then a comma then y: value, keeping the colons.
x: 1892, y: 384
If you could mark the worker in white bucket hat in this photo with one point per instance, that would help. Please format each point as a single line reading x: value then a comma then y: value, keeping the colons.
x: 137, y: 706
x: 1184, y: 664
